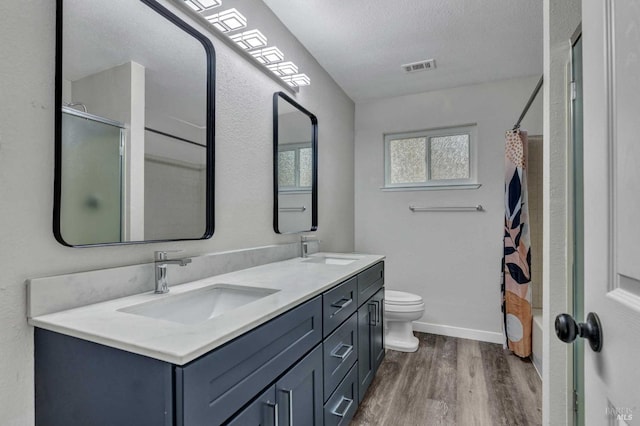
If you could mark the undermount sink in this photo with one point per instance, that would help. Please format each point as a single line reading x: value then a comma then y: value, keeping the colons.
x: 196, y: 306
x: 331, y: 260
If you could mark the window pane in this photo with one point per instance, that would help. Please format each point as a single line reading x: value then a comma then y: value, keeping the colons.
x: 449, y: 157
x: 408, y: 160
x: 286, y: 168
x: 305, y: 167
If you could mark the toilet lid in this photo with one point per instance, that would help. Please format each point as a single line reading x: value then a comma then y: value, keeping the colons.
x: 393, y: 297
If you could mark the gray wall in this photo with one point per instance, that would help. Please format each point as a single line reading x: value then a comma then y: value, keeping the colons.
x: 451, y: 259
x: 243, y: 200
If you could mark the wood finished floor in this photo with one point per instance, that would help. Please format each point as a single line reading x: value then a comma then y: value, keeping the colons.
x: 451, y: 381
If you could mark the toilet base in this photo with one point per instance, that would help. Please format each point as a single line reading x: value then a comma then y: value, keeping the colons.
x: 399, y: 337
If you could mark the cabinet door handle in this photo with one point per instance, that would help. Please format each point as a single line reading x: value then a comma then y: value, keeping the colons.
x: 345, y: 410
x: 377, y: 302
x: 343, y: 355
x: 341, y: 304
x: 289, y: 395
x: 274, y: 408
x: 373, y: 313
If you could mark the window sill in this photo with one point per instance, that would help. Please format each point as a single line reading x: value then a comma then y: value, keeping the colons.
x: 432, y: 187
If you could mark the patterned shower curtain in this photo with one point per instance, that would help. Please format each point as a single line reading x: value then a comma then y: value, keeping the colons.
x: 517, y: 247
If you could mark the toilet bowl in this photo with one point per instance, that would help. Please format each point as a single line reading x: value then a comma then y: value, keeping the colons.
x: 400, y: 308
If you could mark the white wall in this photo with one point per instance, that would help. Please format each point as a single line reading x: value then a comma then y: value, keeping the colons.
x: 561, y: 18
x: 243, y: 198
x: 451, y: 259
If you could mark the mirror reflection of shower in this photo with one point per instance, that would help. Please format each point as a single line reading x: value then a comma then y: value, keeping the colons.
x: 92, y: 177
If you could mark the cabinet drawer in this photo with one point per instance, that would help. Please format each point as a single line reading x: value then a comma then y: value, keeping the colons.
x: 338, y: 304
x: 342, y: 405
x: 212, y: 388
x: 370, y: 281
x: 340, y: 351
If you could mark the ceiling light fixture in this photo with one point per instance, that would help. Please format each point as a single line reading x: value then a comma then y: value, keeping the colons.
x: 200, y: 5
x: 250, y: 39
x: 283, y: 68
x: 253, y: 41
x: 228, y: 20
x: 268, y: 55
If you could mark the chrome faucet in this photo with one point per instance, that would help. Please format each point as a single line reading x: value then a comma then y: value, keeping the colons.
x: 304, y: 244
x: 161, y: 263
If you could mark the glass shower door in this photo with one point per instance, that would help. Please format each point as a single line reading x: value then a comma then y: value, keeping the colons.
x: 91, y: 183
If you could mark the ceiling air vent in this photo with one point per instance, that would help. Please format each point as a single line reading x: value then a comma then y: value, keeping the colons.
x: 427, y: 64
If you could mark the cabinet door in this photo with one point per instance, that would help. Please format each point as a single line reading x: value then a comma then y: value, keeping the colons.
x: 377, y: 338
x: 299, y: 392
x: 263, y: 411
x: 366, y: 324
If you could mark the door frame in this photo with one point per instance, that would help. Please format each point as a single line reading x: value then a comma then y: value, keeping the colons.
x: 576, y: 304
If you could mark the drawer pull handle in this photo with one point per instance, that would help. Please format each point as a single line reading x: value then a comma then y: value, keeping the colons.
x: 289, y: 395
x: 341, y: 304
x: 345, y: 409
x: 377, y: 310
x: 348, y: 349
x: 274, y: 408
x: 373, y: 313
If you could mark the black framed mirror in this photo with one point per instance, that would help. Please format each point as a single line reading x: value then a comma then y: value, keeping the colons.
x: 295, y: 166
x: 134, y: 136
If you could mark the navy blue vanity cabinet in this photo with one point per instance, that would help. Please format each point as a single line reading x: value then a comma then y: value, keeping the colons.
x: 263, y: 411
x: 370, y: 326
x: 340, y: 352
x: 78, y: 382
x: 295, y: 399
x: 338, y: 304
x: 299, y: 392
x: 343, y: 404
x: 309, y: 366
x: 377, y: 344
x: 212, y: 388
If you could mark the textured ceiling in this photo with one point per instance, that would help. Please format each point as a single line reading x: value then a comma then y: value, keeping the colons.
x: 362, y: 43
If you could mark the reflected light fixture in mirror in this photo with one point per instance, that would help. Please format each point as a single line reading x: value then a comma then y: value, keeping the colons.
x: 295, y: 171
x: 134, y: 137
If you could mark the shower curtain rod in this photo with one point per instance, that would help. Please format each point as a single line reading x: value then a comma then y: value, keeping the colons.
x: 529, y: 102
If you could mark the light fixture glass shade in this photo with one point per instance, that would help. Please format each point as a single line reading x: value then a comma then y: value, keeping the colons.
x: 283, y: 68
x: 250, y: 39
x: 268, y: 55
x: 193, y: 5
x: 296, y: 80
x: 200, y: 5
x: 228, y: 20
x: 301, y: 79
x: 208, y: 4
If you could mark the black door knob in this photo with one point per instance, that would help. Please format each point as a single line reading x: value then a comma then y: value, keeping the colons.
x: 567, y: 329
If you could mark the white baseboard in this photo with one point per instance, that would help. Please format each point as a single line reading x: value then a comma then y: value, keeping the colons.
x: 464, y: 333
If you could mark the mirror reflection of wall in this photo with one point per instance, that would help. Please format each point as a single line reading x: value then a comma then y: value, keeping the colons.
x: 136, y: 128
x: 295, y: 131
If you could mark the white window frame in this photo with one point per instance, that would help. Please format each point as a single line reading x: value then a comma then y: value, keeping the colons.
x: 470, y: 183
x: 296, y: 147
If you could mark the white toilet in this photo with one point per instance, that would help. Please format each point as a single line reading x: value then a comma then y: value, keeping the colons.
x: 400, y: 308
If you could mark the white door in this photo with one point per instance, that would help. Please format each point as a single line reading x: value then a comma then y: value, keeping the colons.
x: 611, y: 47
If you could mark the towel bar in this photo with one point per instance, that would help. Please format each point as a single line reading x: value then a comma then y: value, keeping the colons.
x: 477, y: 208
x: 293, y: 209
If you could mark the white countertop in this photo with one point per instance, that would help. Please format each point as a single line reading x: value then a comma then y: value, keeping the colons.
x: 295, y: 280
